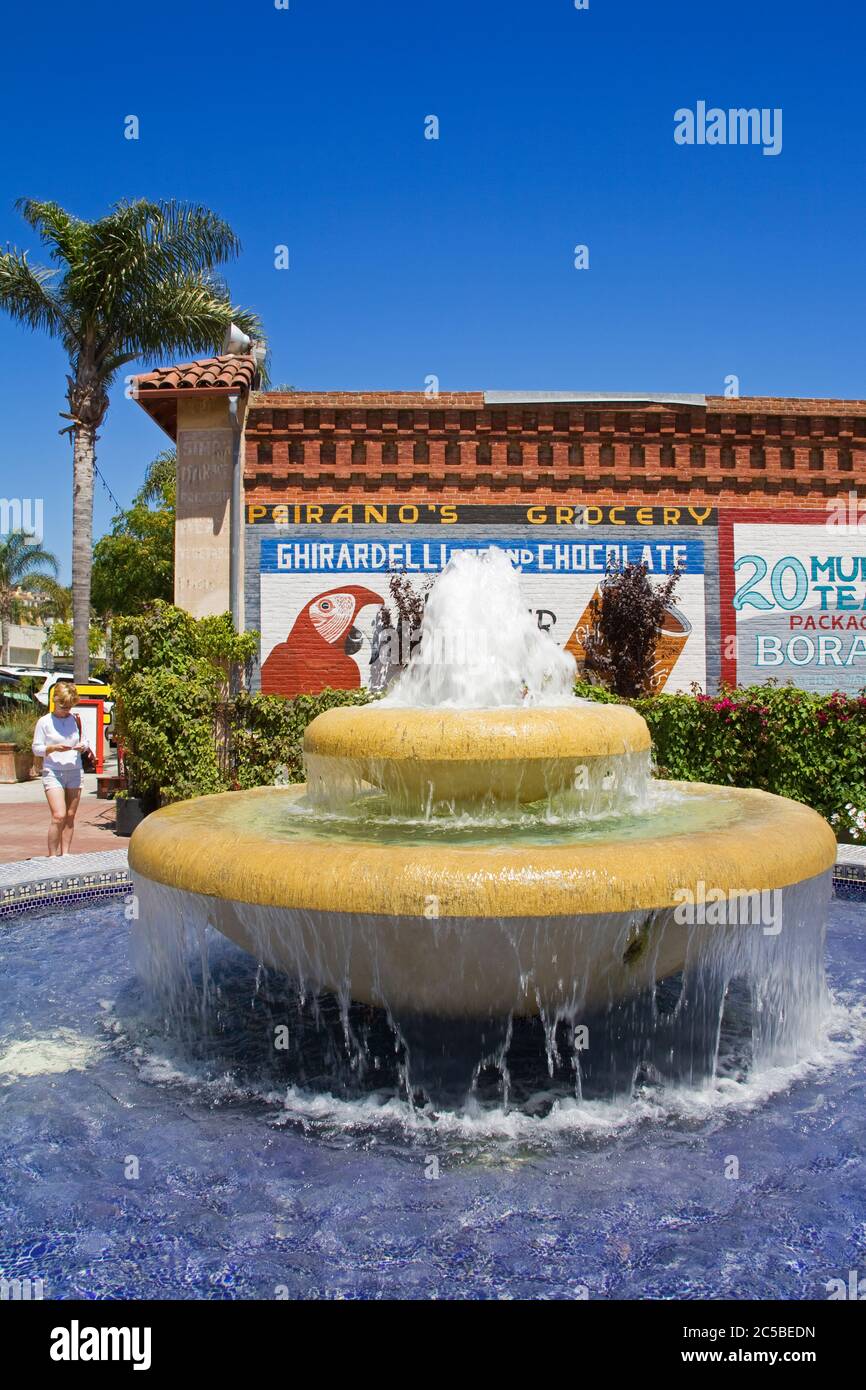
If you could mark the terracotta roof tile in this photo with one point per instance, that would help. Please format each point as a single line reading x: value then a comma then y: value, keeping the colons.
x: 227, y: 373
x: 158, y: 392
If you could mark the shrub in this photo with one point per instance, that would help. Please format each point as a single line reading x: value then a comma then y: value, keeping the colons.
x: 810, y: 747
x: 17, y: 727
x: 267, y: 733
x: 186, y: 733
x: 171, y: 676
x: 625, y: 621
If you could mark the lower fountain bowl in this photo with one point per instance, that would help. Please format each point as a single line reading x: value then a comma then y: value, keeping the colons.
x: 457, y: 930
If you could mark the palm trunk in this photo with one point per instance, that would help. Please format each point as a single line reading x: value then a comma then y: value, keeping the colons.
x: 83, y: 451
x: 4, y: 641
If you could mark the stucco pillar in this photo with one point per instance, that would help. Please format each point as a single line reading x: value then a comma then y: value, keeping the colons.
x: 202, y: 545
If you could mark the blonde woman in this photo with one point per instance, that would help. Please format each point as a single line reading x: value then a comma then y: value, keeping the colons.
x: 59, y: 740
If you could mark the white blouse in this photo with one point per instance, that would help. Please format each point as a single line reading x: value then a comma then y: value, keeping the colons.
x: 52, y: 729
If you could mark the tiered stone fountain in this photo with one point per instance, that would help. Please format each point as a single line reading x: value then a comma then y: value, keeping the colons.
x: 481, y: 845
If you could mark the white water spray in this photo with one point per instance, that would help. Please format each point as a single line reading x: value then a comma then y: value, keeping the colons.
x: 480, y: 646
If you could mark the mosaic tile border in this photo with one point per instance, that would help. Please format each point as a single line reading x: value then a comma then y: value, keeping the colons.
x: 851, y: 889
x: 35, y: 884
x: 851, y: 863
x: 34, y: 901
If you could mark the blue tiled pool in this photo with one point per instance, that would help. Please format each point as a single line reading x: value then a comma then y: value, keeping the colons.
x: 135, y: 1165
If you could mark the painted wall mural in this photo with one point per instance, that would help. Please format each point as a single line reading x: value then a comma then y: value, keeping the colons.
x: 320, y: 587
x: 321, y: 647
x: 777, y: 592
x: 794, y: 599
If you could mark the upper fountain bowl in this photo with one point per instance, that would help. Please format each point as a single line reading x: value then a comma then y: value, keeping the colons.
x: 423, y: 756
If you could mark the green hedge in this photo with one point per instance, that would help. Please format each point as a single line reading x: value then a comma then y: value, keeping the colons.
x: 171, y: 675
x: 809, y: 747
x: 267, y: 733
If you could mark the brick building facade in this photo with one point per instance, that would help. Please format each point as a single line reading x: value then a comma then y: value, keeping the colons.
x: 741, y: 452
x: 750, y: 497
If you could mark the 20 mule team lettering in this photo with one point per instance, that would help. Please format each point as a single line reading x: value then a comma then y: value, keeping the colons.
x: 77, y: 1343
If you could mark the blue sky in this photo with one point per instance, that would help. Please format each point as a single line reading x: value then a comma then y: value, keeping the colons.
x: 411, y: 257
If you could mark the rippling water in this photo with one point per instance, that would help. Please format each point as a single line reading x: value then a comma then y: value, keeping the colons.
x: 201, y: 1163
x: 659, y: 809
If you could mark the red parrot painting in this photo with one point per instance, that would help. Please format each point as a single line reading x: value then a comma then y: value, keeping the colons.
x: 317, y: 651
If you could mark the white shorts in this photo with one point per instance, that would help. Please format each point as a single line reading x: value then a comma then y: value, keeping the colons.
x: 65, y: 778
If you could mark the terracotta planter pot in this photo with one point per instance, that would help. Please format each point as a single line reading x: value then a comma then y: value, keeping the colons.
x: 8, y: 772
x: 24, y: 768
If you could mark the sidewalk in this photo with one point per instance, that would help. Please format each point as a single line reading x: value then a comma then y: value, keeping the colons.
x: 24, y: 821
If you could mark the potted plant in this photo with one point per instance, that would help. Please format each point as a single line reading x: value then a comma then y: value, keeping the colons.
x: 128, y: 812
x: 134, y: 796
x: 16, y: 754
x: 7, y: 754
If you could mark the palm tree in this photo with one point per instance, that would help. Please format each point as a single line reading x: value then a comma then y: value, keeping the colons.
x: 139, y: 283
x: 53, y: 600
x: 23, y: 565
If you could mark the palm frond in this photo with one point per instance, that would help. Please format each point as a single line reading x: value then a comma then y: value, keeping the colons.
x: 140, y: 243
x: 191, y: 238
x: 27, y: 296
x: 57, y: 228
x: 55, y: 600
x: 160, y: 478
x: 139, y: 284
x: 181, y: 314
x: 22, y: 559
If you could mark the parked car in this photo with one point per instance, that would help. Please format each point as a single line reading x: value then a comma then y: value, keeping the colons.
x: 34, y: 671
